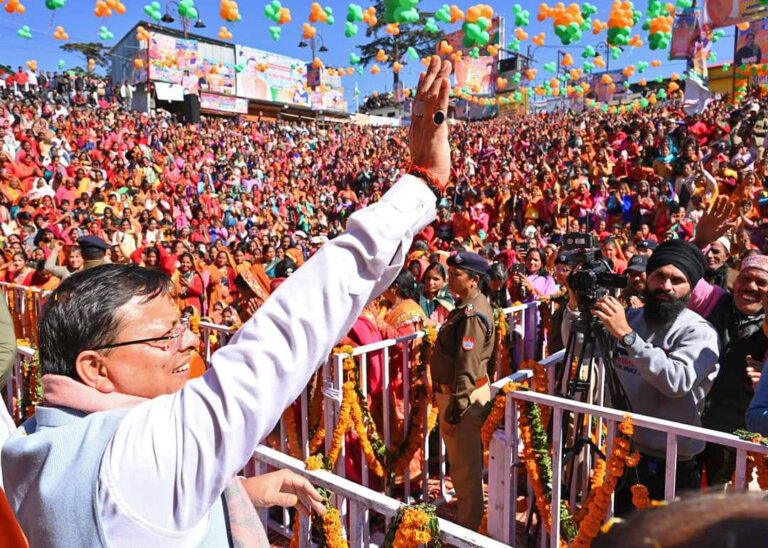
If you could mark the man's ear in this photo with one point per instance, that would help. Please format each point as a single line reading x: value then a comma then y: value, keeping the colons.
x: 92, y: 370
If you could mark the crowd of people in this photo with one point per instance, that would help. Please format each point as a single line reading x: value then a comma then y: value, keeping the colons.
x: 231, y: 208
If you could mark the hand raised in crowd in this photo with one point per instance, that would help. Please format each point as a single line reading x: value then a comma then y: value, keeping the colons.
x: 428, y: 142
x: 715, y: 223
x: 284, y: 488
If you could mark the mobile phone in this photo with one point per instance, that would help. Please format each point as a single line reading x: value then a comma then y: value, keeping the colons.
x: 755, y: 364
x: 518, y: 268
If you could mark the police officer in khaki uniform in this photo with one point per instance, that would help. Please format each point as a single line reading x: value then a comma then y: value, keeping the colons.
x: 94, y: 251
x: 459, y: 370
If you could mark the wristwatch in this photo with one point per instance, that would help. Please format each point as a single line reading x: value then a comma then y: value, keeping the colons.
x: 629, y: 338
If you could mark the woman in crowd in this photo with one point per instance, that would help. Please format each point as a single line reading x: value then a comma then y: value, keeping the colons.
x: 17, y: 271
x: 435, y: 298
x: 269, y: 259
x: 188, y: 289
x: 536, y: 282
x: 222, y: 279
x: 73, y: 263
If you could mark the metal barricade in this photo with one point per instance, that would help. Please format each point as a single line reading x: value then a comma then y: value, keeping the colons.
x: 361, y: 501
x: 504, y: 456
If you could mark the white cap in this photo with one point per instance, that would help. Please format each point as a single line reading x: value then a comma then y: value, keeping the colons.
x: 319, y: 240
x: 725, y: 242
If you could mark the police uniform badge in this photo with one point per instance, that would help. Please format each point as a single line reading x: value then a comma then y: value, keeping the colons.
x: 467, y: 343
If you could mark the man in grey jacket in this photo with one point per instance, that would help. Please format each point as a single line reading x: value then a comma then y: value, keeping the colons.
x: 666, y: 359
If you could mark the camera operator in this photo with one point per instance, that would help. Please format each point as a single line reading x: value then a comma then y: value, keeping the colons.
x: 666, y: 360
x: 633, y: 294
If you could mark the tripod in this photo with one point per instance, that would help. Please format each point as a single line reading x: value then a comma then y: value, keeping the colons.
x: 587, y: 341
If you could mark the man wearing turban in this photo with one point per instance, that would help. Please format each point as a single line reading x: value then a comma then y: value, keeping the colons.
x: 666, y: 359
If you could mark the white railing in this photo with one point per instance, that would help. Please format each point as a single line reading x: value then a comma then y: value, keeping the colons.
x: 333, y: 378
x: 361, y: 502
x: 505, y: 460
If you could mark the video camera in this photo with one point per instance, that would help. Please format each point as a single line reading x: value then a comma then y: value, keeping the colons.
x: 593, y: 276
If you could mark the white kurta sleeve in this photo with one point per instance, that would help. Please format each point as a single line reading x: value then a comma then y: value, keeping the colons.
x: 171, y: 457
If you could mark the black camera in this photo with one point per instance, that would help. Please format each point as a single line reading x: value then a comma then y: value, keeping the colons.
x: 593, y: 279
x: 578, y: 240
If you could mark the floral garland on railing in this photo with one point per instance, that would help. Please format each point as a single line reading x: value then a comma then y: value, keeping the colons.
x: 495, y: 415
x: 330, y: 530
x: 423, y: 403
x: 598, y: 506
x: 500, y: 349
x: 354, y: 413
x: 32, y: 386
x: 351, y: 416
x: 294, y: 446
x: 413, y: 526
x: 316, y: 417
x: 538, y: 465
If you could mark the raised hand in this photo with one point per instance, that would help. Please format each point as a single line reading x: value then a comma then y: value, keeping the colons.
x: 715, y: 223
x: 428, y: 141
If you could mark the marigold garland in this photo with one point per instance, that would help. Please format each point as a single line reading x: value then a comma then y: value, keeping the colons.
x: 351, y: 416
x: 496, y: 415
x: 500, y: 349
x: 423, y: 403
x: 334, y: 534
x: 538, y: 465
x: 316, y: 417
x: 32, y: 387
x: 640, y: 497
x: 294, y: 446
x: 413, y: 526
x: 598, y: 507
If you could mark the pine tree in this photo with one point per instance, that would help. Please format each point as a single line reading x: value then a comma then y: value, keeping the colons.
x: 411, y: 36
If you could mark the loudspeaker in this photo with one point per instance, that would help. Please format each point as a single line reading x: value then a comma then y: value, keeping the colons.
x: 191, y: 109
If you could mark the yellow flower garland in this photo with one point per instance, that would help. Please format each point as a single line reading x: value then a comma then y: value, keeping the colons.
x: 334, y: 534
x: 294, y: 446
x: 494, y: 418
x: 532, y: 469
x: 351, y: 416
x: 413, y: 530
x: 421, y: 406
x: 317, y: 417
x: 598, y: 507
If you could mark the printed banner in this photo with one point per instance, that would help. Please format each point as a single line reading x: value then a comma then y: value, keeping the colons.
x: 181, y: 61
x: 329, y: 100
x: 683, y: 33
x: 512, y: 108
x: 223, y: 103
x: 475, y: 74
x: 725, y: 13
x: 282, y: 81
x: 752, y: 44
x: 603, y: 91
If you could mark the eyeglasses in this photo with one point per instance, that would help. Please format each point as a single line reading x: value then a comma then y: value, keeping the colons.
x: 168, y: 343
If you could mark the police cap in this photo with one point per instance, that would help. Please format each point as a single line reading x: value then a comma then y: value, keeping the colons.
x: 92, y: 243
x: 472, y: 262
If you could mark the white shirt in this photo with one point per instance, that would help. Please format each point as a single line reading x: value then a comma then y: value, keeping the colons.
x: 171, y: 457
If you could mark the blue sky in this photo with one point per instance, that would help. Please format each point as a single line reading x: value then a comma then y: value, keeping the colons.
x: 78, y: 20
